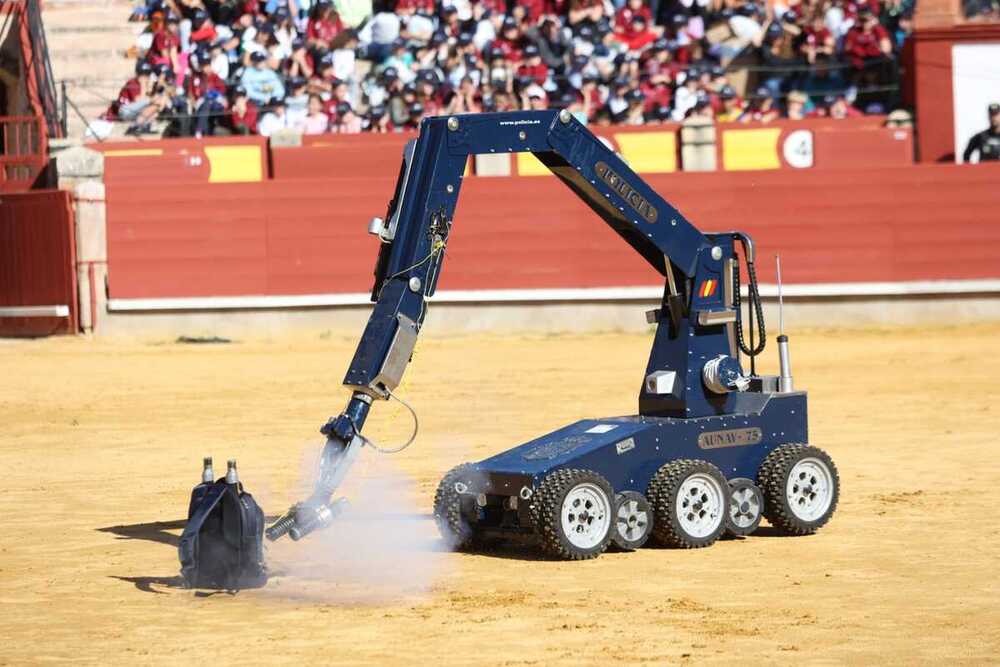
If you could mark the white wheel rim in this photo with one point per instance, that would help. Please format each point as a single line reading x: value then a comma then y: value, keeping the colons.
x: 809, y: 489
x: 586, y: 515
x: 744, y: 507
x: 631, y: 522
x: 700, y: 504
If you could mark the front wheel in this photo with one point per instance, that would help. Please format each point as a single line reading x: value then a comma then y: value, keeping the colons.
x: 574, y: 514
x: 452, y: 522
x: 801, y: 488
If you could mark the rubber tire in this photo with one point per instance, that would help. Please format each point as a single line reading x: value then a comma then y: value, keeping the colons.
x: 772, y: 478
x: 547, y: 509
x: 454, y: 527
x: 662, y: 494
x: 618, y: 541
x: 732, y: 528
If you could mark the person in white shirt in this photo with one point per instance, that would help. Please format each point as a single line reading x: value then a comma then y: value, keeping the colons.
x: 273, y: 121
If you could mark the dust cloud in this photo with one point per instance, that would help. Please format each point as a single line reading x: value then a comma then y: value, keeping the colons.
x: 383, y: 548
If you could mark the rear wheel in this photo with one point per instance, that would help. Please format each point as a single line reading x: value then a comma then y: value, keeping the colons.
x: 453, y: 524
x: 690, y: 500
x: 574, y: 514
x: 801, y: 488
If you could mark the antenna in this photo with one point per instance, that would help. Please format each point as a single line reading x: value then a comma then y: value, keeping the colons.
x: 781, y: 301
x: 784, y: 359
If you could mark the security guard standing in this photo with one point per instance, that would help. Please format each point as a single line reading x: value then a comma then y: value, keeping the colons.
x: 987, y: 142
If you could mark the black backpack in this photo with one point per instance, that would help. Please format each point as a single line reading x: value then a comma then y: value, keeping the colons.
x: 222, y: 545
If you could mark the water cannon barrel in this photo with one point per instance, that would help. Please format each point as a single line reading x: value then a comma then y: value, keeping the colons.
x: 311, y: 518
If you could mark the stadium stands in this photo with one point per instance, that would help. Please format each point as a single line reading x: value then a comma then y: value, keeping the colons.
x: 248, y: 67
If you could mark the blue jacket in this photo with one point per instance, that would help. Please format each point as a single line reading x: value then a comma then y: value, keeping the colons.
x: 263, y: 85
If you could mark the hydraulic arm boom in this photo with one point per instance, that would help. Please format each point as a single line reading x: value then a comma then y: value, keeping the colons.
x: 415, y: 235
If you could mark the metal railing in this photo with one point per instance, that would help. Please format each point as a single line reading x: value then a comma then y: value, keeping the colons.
x: 23, y: 149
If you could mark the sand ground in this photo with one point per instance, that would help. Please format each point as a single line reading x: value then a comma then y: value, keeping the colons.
x: 101, y: 442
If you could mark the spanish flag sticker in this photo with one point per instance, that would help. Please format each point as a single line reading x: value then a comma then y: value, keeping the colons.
x: 708, y: 288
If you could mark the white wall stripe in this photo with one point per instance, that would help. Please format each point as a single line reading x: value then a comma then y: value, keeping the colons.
x: 817, y: 290
x: 34, y: 311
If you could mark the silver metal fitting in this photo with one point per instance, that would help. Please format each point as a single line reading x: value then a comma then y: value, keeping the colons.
x: 716, y: 253
x: 722, y: 375
x: 512, y: 503
x: 525, y: 493
x: 461, y: 488
x: 376, y: 225
x: 450, y: 188
x: 452, y: 123
x: 522, y: 135
x: 565, y: 116
x: 481, y: 500
x: 207, y: 474
x: 232, y: 477
x: 415, y: 284
x: 785, y: 383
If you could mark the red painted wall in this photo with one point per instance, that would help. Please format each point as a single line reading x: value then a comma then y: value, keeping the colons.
x: 37, y: 260
x: 928, y: 84
x: 308, y: 235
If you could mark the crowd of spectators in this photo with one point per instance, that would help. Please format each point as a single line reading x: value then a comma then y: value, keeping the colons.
x: 260, y: 66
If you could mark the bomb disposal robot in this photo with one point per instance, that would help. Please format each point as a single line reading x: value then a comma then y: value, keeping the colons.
x: 714, y: 447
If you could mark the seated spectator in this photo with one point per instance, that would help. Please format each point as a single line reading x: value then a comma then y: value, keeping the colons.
x: 762, y: 108
x: 532, y: 65
x: 347, y: 121
x: 166, y: 43
x: 261, y: 82
x: 839, y: 108
x: 274, y: 120
x: 377, y: 120
x: 242, y: 113
x: 795, y: 108
x: 315, y: 120
x: 324, y: 25
x: 297, y: 101
x: 867, y: 47
x: 732, y: 106
x: 134, y: 95
x: 206, y: 94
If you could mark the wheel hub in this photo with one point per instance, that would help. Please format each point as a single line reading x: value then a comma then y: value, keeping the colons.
x: 586, y: 515
x: 809, y: 489
x: 631, y: 521
x: 700, y: 503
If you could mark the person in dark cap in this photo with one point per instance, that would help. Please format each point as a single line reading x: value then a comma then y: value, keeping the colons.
x: 347, y: 121
x: 166, y: 45
x: 261, y: 82
x: 242, y: 113
x: 377, y: 120
x: 134, y: 95
x: 202, y: 29
x: 415, y: 116
x: 763, y: 108
x: 732, y: 105
x: 985, y: 145
x: 532, y: 65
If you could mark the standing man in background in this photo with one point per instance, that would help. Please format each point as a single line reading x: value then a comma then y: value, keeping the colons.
x: 987, y: 142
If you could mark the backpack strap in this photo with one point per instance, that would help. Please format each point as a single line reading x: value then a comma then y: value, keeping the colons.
x: 188, y: 546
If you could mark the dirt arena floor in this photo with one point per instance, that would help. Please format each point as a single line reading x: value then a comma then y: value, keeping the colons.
x: 101, y: 443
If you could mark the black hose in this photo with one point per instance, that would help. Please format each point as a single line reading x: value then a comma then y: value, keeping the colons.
x: 756, y: 312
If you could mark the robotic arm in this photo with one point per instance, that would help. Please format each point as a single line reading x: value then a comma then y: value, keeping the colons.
x: 415, y: 233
